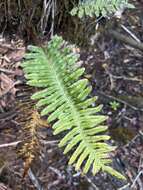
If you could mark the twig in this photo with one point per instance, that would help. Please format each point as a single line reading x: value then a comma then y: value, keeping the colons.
x: 136, y: 179
x: 112, y: 77
x: 133, y: 140
x: 9, y: 144
x: 49, y: 142
x: 56, y: 171
x: 5, y: 58
x: 124, y: 187
x: 48, y: 9
x: 34, y: 180
x: 125, y: 39
x: 127, y: 78
x: 121, y: 101
x: 6, y: 71
x: 7, y: 46
x: 9, y: 89
x: 7, y: 115
x: 130, y: 33
x: 17, y: 142
x: 53, y: 17
x: 140, y: 163
x: 3, y: 187
x: 92, y: 184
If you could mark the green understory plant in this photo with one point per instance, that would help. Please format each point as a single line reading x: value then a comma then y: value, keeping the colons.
x: 64, y: 97
x: 99, y: 7
x: 114, y: 105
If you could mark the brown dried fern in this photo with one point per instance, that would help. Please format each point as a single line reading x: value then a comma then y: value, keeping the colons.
x: 31, y: 146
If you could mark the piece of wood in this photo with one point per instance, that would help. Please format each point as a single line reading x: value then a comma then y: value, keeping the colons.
x: 125, y: 39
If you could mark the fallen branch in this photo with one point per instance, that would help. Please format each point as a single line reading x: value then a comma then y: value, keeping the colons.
x: 125, y: 39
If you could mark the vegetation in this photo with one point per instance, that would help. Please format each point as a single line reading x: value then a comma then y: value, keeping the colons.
x: 98, y: 7
x: 65, y: 97
x: 115, y: 105
x: 62, y: 100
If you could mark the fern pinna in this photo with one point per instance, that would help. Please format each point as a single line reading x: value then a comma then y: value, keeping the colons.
x: 64, y: 98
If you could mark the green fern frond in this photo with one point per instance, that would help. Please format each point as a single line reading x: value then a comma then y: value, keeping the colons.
x: 97, y: 7
x: 65, y: 100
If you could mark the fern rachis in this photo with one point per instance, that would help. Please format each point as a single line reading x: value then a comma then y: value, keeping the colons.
x: 64, y: 99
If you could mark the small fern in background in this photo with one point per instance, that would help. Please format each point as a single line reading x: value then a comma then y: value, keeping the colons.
x: 98, y: 7
x: 64, y: 98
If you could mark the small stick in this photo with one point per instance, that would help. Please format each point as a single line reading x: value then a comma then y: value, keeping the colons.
x: 92, y: 184
x: 125, y: 39
x: 137, y: 177
x: 124, y: 187
x: 34, y: 180
x: 17, y: 142
x: 9, y: 89
x: 130, y: 33
x: 7, y: 71
x: 9, y: 144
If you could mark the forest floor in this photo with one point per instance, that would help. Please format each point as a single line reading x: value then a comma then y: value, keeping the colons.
x: 115, y: 71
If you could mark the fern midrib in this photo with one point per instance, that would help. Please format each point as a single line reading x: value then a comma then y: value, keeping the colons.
x: 65, y: 93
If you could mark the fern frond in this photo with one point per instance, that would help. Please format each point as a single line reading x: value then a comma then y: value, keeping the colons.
x: 97, y: 7
x: 30, y: 147
x: 65, y: 100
